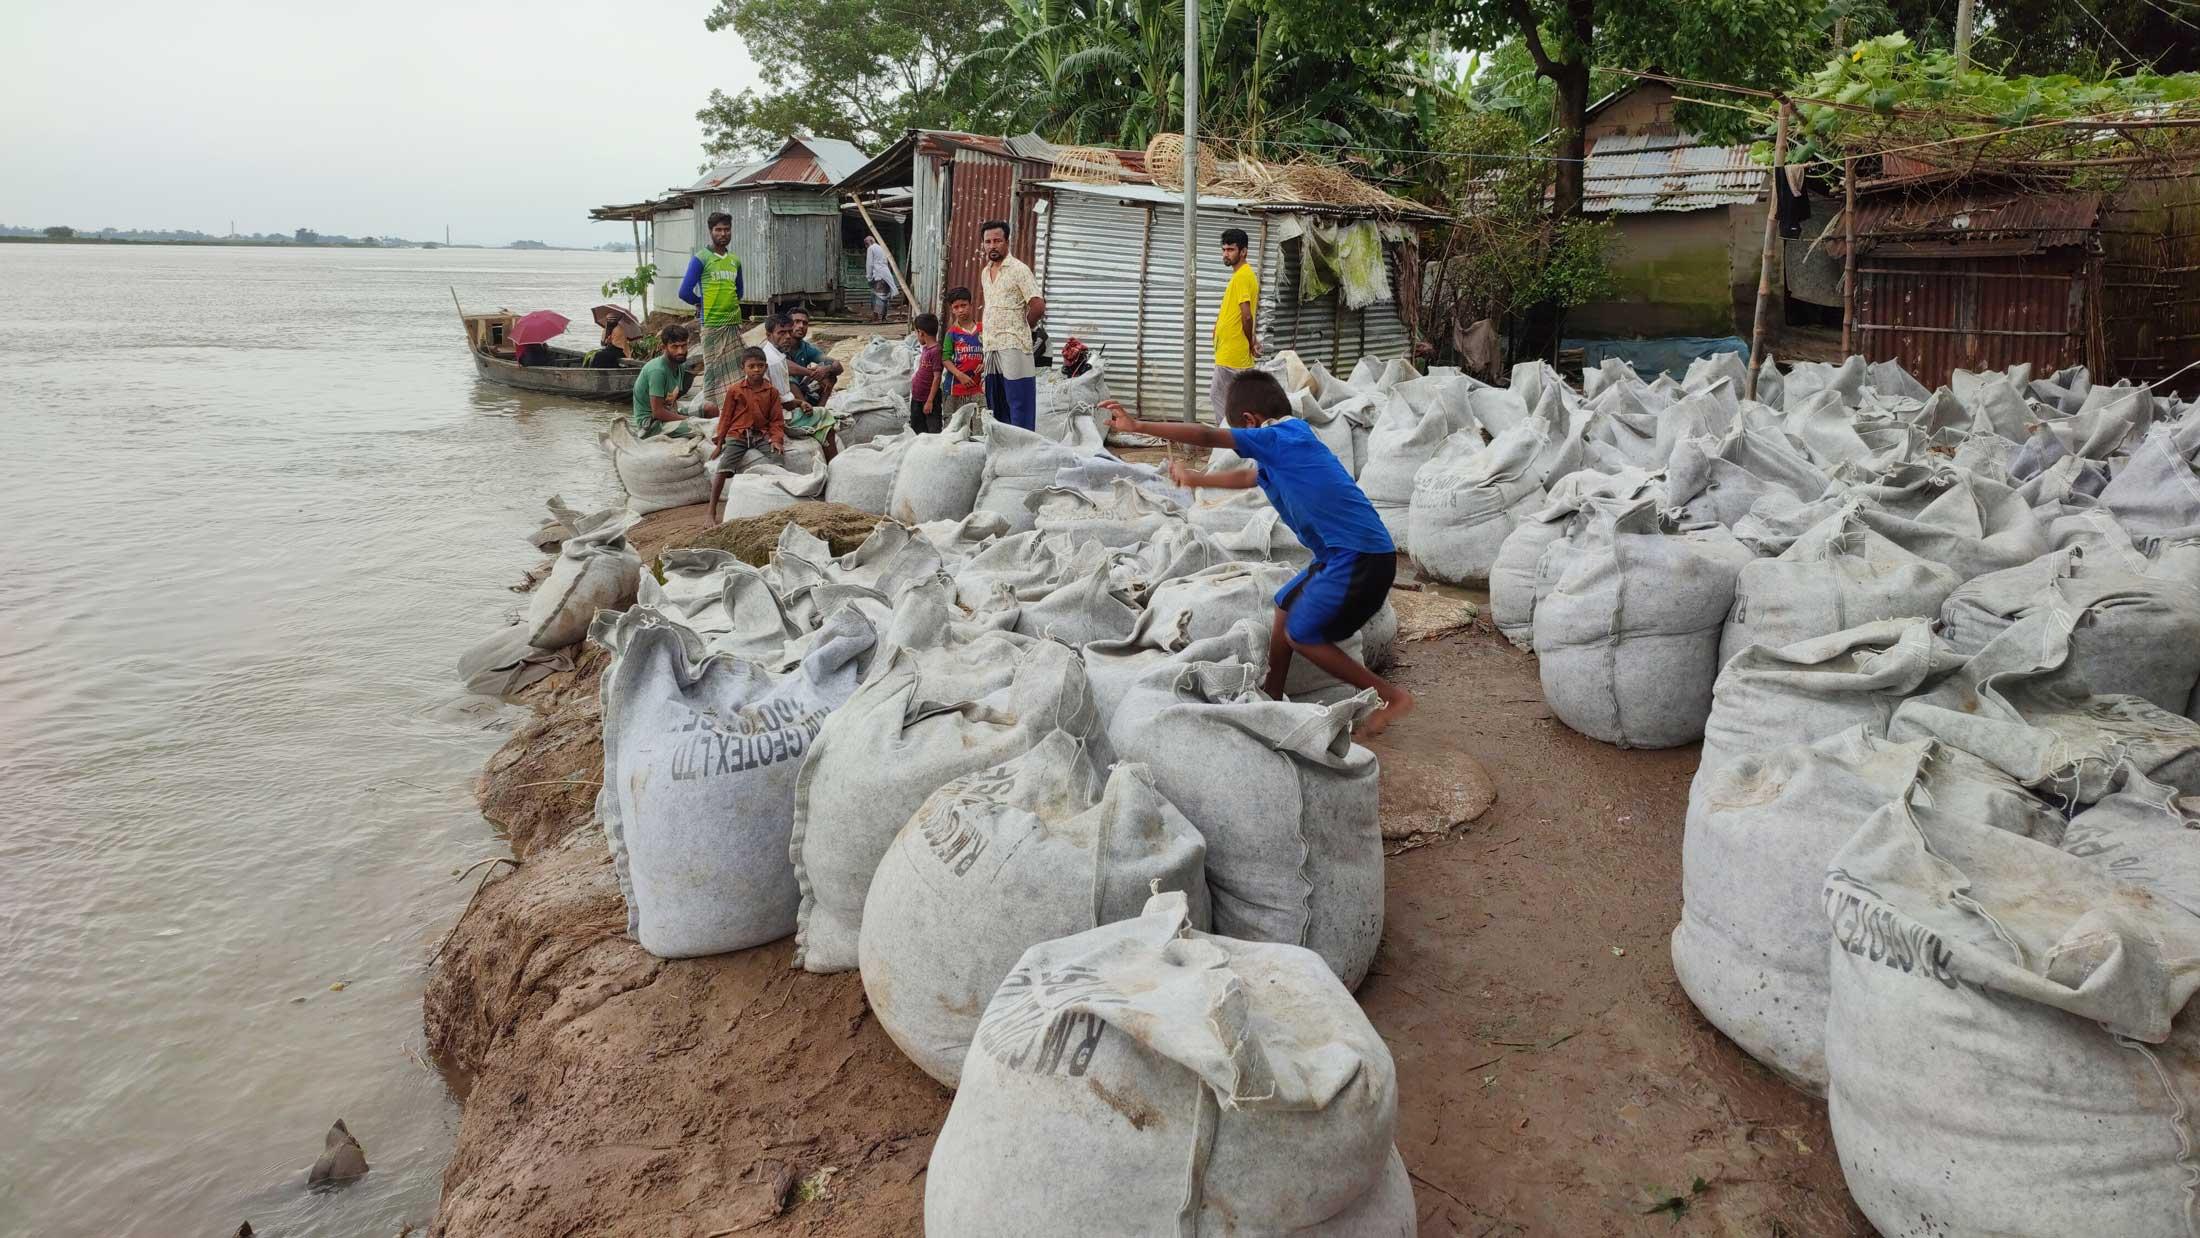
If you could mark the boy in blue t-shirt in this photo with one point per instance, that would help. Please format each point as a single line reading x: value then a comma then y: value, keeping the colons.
x: 1354, y: 559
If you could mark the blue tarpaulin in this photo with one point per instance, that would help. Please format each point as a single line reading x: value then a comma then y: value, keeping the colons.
x: 1650, y: 358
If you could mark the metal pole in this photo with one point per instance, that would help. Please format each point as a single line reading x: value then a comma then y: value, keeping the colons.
x: 1848, y: 256
x: 1191, y: 209
x: 1770, y: 256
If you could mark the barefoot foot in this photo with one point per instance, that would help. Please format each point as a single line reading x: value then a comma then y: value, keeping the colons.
x: 1395, y: 706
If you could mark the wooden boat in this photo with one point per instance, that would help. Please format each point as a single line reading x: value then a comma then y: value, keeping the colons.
x: 486, y: 339
x: 565, y: 376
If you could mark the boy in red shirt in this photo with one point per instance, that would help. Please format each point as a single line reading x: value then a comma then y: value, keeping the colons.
x: 749, y: 421
x: 964, y: 353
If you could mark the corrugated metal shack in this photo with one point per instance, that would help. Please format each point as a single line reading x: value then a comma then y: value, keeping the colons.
x: 786, y: 223
x: 1110, y: 263
x: 950, y: 183
x: 1970, y: 274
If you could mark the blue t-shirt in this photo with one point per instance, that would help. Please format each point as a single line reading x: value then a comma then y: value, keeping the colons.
x: 1311, y: 490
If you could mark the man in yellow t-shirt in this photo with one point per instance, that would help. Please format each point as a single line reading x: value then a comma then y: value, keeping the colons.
x: 1236, y: 346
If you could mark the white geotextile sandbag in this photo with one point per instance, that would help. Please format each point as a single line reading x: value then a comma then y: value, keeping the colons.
x: 1720, y: 478
x: 932, y: 715
x: 1018, y: 463
x: 1286, y: 801
x: 867, y: 409
x: 1769, y: 697
x: 595, y: 570
x: 1513, y: 575
x: 1970, y: 523
x: 2156, y: 490
x: 1751, y: 945
x: 701, y: 752
x: 733, y: 607
x: 1398, y: 445
x: 1469, y: 497
x: 502, y: 662
x: 1995, y: 401
x: 884, y: 362
x: 1836, y: 576
x: 940, y: 473
x: 2019, y: 704
x: 998, y: 861
x: 812, y: 580
x: 1145, y: 1078
x: 663, y: 471
x: 2009, y: 1045
x: 2130, y: 633
x: 1081, y: 606
x: 758, y: 493
x: 1628, y: 637
x: 1114, y: 668
x: 1122, y: 516
x: 1208, y: 603
x: 862, y: 476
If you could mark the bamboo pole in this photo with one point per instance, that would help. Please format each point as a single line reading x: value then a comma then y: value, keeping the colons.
x: 636, y: 221
x: 908, y: 294
x: 1769, y: 258
x: 1191, y: 212
x: 1848, y: 256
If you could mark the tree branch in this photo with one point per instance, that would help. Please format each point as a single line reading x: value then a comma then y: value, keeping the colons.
x: 1531, y: 37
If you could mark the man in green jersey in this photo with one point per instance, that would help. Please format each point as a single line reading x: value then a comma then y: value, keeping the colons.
x: 713, y: 286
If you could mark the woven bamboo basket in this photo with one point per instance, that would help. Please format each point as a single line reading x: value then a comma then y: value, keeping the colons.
x: 1087, y: 165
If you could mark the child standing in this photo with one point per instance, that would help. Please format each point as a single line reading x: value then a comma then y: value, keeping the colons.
x: 750, y: 420
x: 924, y: 385
x: 1354, y: 559
x: 964, y: 350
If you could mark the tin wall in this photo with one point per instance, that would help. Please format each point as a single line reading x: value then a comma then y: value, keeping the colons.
x: 673, y: 242
x: 1112, y: 272
x: 1938, y: 316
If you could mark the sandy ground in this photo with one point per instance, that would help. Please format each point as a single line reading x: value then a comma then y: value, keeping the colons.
x: 1553, y: 1079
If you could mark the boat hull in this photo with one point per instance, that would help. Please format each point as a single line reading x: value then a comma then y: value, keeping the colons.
x: 579, y: 382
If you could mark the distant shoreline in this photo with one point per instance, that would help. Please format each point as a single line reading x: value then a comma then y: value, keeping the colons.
x: 243, y: 244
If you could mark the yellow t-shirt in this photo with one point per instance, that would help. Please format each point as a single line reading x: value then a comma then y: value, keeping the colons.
x: 1231, y: 347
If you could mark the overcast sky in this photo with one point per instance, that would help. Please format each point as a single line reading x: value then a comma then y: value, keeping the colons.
x: 504, y: 120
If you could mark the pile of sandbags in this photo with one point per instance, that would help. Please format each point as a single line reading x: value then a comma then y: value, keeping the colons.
x: 664, y: 470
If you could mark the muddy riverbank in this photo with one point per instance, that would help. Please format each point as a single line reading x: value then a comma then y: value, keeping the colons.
x: 1553, y: 1079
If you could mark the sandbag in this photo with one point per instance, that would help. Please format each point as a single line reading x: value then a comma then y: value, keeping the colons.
x: 595, y: 570
x: 1208, y: 603
x: 1001, y: 860
x: 502, y: 662
x: 1401, y: 441
x: 1286, y: 801
x: 930, y: 716
x: 2008, y: 1043
x: 2156, y: 490
x: 862, y: 476
x: 2130, y: 633
x: 1751, y: 945
x: 1628, y: 637
x: 940, y: 473
x: 1146, y: 1078
x: 2020, y: 704
x: 1768, y: 697
x: 1969, y: 523
x: 1082, y: 606
x: 1469, y: 497
x: 1721, y: 477
x: 663, y: 471
x: 1836, y: 576
x: 758, y: 493
x: 701, y: 754
x: 1513, y: 574
x: 1019, y: 463
x: 1124, y: 515
x: 1114, y: 668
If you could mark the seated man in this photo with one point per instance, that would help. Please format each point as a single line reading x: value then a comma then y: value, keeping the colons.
x: 803, y: 415
x: 659, y: 386
x: 808, y: 365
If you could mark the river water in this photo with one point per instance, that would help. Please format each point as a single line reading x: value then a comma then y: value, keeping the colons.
x: 256, y: 503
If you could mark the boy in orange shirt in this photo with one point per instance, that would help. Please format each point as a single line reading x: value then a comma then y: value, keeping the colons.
x: 749, y: 421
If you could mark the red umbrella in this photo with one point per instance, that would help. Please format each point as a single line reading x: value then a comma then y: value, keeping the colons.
x: 540, y: 327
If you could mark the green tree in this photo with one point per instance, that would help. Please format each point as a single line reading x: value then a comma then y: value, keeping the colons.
x: 858, y: 70
x: 1747, y: 42
x: 1110, y: 72
x: 60, y: 232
